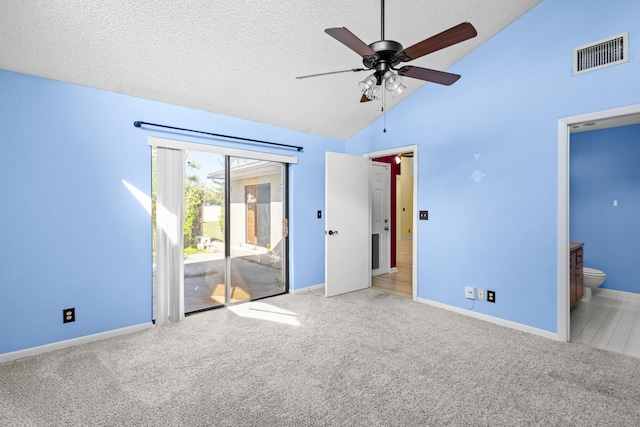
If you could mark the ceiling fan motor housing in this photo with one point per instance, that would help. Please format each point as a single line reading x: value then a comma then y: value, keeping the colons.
x: 386, y: 51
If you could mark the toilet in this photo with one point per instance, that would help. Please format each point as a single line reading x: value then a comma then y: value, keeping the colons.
x: 592, y: 278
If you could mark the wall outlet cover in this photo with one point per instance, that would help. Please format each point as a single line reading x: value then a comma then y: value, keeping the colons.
x: 68, y: 315
x: 491, y: 296
x: 469, y: 292
x: 481, y: 294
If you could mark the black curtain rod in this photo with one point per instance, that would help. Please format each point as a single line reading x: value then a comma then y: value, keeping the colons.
x: 139, y: 124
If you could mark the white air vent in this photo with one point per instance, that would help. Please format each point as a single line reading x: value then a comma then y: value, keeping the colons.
x: 603, y: 53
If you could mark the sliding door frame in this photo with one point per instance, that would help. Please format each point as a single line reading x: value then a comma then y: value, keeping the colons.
x: 228, y: 153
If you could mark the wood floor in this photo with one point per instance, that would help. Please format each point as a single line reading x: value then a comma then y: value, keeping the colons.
x: 398, y: 283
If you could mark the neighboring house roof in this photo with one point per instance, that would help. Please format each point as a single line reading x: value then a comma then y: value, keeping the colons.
x: 249, y: 170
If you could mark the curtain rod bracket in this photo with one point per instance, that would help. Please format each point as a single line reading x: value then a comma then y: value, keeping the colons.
x: 138, y: 124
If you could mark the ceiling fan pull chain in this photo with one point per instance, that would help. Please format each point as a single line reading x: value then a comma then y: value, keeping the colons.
x: 384, y: 113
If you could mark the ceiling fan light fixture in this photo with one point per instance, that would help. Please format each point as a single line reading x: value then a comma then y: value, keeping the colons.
x: 367, y: 84
x: 398, y: 90
x: 392, y: 81
x: 374, y: 93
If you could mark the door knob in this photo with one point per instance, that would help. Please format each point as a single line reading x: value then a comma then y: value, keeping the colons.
x: 331, y: 232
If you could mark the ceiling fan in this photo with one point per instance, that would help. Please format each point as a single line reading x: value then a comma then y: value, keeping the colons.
x: 384, y: 55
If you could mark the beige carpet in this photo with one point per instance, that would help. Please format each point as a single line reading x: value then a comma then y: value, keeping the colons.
x: 362, y: 359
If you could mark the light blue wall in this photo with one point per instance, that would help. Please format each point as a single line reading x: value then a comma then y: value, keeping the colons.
x: 603, y: 168
x: 72, y: 235
x: 501, y: 233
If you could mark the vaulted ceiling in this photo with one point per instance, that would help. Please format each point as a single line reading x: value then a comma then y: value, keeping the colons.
x: 237, y: 58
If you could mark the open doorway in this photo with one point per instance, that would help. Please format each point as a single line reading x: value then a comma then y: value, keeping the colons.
x: 393, y: 254
x: 599, y: 120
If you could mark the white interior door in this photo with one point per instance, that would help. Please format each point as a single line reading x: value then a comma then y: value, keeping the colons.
x: 347, y: 224
x: 380, y: 218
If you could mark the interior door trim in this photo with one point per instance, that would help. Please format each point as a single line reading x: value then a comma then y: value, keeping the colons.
x: 406, y: 149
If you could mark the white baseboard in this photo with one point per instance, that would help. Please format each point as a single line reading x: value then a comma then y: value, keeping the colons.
x: 72, y: 342
x: 319, y: 287
x: 498, y: 321
x: 393, y: 270
x: 612, y: 293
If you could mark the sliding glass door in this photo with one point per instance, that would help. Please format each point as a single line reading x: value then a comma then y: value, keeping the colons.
x: 234, y: 230
x: 257, y: 229
x: 204, y: 231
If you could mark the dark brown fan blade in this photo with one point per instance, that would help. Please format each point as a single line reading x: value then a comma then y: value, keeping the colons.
x: 453, y: 35
x: 364, y: 99
x: 351, y: 41
x: 429, y: 75
x: 352, y: 70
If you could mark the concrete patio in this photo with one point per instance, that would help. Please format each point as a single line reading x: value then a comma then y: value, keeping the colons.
x: 255, y: 273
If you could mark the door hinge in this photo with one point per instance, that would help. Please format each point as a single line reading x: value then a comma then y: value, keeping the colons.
x: 286, y: 227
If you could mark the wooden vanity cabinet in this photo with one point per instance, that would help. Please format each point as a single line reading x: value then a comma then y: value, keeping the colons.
x: 576, y: 281
x: 579, y: 277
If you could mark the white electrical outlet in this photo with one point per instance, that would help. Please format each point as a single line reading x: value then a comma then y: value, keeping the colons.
x: 469, y: 292
x: 481, y: 294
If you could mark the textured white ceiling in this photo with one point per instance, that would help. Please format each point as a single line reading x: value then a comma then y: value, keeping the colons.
x: 238, y: 58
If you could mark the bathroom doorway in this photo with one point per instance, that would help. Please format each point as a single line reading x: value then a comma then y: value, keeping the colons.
x: 593, y: 121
